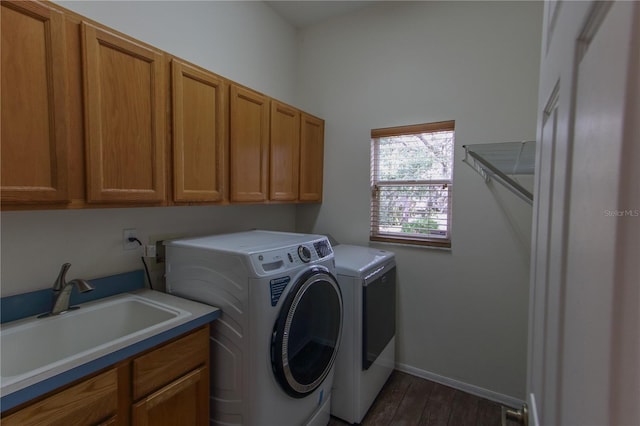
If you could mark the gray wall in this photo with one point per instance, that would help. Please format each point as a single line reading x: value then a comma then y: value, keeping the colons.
x: 245, y: 41
x: 462, y: 314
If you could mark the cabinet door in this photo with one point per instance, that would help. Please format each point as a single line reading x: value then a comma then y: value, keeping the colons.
x: 33, y: 117
x: 284, y: 152
x: 249, y: 145
x: 161, y: 366
x: 181, y: 402
x: 93, y: 401
x: 124, y: 118
x: 199, y: 134
x: 311, y: 158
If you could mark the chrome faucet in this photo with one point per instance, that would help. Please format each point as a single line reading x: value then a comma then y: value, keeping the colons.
x: 62, y: 291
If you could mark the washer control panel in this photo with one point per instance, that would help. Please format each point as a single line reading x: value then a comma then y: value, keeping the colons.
x: 289, y: 257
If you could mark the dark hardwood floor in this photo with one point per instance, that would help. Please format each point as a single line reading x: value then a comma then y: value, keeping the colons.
x: 409, y: 400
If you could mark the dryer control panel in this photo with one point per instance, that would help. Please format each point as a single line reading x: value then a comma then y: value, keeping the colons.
x: 287, y: 258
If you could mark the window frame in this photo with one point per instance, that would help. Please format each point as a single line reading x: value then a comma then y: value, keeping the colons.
x: 411, y: 239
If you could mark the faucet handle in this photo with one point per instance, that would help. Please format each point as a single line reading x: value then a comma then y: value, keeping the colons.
x: 61, y: 280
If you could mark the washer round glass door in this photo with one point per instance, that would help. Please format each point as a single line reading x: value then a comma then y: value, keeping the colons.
x: 307, y: 333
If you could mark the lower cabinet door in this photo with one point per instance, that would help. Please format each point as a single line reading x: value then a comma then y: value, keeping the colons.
x: 91, y: 402
x: 181, y: 402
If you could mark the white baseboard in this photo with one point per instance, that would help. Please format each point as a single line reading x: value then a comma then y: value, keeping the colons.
x: 465, y: 387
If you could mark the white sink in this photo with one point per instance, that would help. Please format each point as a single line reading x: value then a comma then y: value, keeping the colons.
x: 34, y: 345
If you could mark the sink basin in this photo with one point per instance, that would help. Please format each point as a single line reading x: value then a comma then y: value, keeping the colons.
x: 31, y: 346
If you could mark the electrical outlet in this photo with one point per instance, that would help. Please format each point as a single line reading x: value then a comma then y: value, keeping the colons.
x: 126, y: 234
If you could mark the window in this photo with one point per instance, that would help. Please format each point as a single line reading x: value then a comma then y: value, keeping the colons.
x: 411, y: 184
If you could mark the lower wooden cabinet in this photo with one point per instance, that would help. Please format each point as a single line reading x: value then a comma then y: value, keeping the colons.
x: 167, y: 385
x: 171, y: 383
x: 177, y: 403
x: 90, y: 402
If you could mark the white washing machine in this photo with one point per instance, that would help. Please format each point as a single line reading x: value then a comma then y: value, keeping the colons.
x: 367, y: 278
x: 274, y: 346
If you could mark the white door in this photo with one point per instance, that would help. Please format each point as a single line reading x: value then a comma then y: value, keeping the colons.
x: 584, y: 336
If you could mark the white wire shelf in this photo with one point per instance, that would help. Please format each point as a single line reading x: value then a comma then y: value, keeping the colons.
x: 500, y: 161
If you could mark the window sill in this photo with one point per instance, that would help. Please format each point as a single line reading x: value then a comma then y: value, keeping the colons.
x: 440, y: 245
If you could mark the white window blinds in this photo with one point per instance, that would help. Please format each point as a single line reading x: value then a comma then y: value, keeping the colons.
x: 411, y: 184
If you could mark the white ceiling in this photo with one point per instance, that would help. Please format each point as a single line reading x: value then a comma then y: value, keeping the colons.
x: 304, y: 13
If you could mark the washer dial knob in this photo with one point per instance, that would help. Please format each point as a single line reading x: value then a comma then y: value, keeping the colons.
x: 304, y: 253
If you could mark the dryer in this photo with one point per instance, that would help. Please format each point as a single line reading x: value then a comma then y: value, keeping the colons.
x: 274, y: 346
x: 367, y: 278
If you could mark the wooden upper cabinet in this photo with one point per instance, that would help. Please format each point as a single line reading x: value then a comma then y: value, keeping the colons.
x: 311, y: 158
x: 199, y: 106
x: 33, y: 120
x: 248, y: 145
x: 284, y: 152
x: 90, y: 128
x: 125, y: 122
